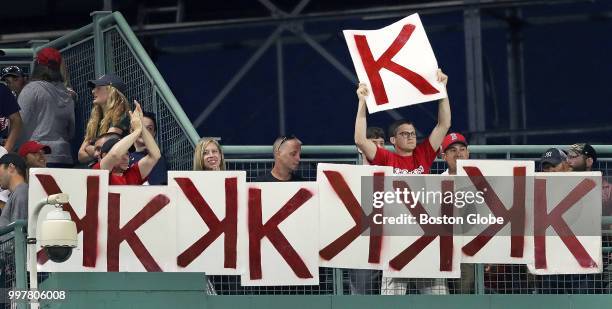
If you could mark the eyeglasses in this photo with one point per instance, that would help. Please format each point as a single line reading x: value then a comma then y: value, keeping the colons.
x: 285, y: 138
x: 407, y: 134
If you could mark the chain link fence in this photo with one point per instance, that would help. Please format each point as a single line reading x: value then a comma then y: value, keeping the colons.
x: 7, y: 267
x: 497, y: 278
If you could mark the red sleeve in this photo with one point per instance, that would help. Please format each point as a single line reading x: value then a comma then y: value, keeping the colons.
x: 425, y: 154
x: 132, y: 175
x: 381, y: 157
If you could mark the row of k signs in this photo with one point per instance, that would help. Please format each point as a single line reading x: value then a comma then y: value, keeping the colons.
x: 281, y: 233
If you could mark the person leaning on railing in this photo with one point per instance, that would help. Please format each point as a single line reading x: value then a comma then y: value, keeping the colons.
x: 408, y: 158
x: 109, y: 113
x: 208, y: 155
x: 287, y: 151
x: 583, y: 158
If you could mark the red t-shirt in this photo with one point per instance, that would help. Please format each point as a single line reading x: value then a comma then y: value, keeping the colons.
x: 418, y: 163
x: 130, y: 177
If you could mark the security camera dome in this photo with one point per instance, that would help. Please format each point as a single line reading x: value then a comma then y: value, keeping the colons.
x: 58, y: 235
x: 58, y: 254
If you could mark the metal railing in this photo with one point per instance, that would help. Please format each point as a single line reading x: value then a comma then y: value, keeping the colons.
x: 109, y: 45
x: 476, y: 279
x: 13, y: 273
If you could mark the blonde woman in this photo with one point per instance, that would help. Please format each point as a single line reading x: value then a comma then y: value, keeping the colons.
x: 208, y: 156
x: 109, y: 113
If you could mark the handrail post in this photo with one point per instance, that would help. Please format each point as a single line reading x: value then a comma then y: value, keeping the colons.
x: 99, y: 66
x: 21, y: 281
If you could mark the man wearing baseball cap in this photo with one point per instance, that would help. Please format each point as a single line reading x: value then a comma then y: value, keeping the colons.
x: 47, y: 109
x: 554, y: 160
x: 34, y: 153
x: 14, y: 78
x: 454, y: 146
x: 10, y: 118
x: 581, y: 157
x: 12, y: 178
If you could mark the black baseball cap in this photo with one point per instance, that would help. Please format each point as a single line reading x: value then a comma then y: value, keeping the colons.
x: 2, y: 52
x: 12, y: 70
x: 110, y: 79
x: 106, y: 147
x: 584, y: 149
x: 15, y: 159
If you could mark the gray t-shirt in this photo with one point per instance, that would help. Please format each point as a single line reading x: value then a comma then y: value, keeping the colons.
x: 17, y: 205
x: 47, y: 111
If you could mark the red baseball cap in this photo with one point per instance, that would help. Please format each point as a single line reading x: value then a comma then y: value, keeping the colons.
x: 47, y: 55
x: 453, y: 138
x: 33, y: 147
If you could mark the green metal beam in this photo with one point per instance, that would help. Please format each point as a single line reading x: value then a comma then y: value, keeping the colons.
x: 157, y: 78
x: 352, y: 150
x: 18, y: 53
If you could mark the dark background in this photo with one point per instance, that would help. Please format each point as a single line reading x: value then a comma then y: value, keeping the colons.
x: 566, y: 60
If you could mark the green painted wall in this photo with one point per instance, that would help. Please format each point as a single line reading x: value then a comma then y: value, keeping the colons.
x: 186, y: 290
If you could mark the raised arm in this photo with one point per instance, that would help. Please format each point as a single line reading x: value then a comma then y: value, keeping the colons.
x: 86, y: 152
x: 146, y: 164
x: 444, y: 117
x: 367, y: 147
x: 113, y: 157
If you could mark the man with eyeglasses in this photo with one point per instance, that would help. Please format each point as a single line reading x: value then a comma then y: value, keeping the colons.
x: 408, y: 158
x: 287, y: 151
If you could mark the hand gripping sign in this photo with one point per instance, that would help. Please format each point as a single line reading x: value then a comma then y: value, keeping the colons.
x: 397, y: 63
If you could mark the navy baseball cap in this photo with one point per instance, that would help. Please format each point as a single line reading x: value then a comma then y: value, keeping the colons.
x: 12, y: 70
x: 106, y: 147
x: 553, y: 156
x: 15, y: 159
x: 109, y: 79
